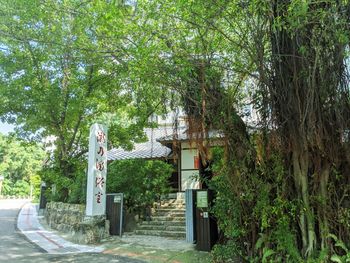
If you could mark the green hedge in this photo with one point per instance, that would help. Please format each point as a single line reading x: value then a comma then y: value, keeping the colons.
x: 142, y: 181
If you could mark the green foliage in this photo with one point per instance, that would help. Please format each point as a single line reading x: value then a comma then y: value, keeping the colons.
x: 276, y: 213
x: 344, y: 217
x: 35, y: 181
x: 70, y: 189
x: 264, y: 202
x: 227, y: 210
x: 66, y: 64
x: 277, y: 244
x: 143, y: 182
x: 20, y: 188
x: 344, y: 251
x: 59, y: 75
x: 77, y: 189
x: 20, y: 163
x: 323, y: 256
x: 19, y: 159
x: 57, y: 184
x: 227, y: 253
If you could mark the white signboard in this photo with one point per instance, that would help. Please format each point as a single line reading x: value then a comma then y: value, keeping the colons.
x: 97, y: 171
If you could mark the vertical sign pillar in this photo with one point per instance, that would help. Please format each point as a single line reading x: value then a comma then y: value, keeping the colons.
x: 97, y: 171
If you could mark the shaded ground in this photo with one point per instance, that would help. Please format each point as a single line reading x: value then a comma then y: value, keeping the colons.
x: 155, y: 249
x: 147, y: 248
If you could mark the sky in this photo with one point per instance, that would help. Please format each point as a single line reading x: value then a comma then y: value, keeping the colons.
x: 5, y: 128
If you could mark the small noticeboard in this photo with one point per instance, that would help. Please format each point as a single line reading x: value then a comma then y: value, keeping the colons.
x: 202, y: 199
x: 117, y: 199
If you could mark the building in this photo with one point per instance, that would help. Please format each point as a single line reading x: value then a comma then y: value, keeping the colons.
x: 172, y: 146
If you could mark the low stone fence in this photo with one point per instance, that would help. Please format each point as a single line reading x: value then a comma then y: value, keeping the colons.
x: 14, y: 197
x: 70, y: 218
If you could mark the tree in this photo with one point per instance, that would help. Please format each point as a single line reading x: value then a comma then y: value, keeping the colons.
x: 71, y: 63
x: 310, y: 102
x: 56, y: 80
x: 20, y: 164
x: 294, y: 53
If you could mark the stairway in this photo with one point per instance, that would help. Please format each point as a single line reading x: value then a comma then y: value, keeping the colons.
x: 168, y: 220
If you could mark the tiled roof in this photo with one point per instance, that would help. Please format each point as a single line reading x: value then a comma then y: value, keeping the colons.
x: 183, y: 136
x: 154, y: 148
x: 145, y: 150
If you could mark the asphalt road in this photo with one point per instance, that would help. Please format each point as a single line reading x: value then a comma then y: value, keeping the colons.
x: 14, y: 247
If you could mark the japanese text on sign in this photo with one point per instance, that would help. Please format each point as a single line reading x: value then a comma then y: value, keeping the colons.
x: 97, y: 171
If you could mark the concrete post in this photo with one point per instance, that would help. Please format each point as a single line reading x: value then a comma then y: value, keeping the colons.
x: 97, y: 171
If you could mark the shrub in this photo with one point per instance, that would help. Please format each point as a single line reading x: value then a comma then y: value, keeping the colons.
x: 61, y: 188
x: 19, y: 188
x: 142, y: 181
x: 35, y: 180
x: 225, y: 253
x: 77, y: 190
x: 261, y: 198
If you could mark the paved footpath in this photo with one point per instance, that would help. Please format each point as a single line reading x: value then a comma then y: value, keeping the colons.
x: 129, y: 248
x: 29, y: 225
x: 44, y: 245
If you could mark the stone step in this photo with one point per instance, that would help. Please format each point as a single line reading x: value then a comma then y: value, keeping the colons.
x: 177, y: 228
x: 174, y: 234
x: 168, y: 218
x: 176, y: 210
x: 166, y: 223
x: 162, y: 228
x: 170, y: 213
x: 171, y: 200
x: 169, y: 203
x: 167, y: 208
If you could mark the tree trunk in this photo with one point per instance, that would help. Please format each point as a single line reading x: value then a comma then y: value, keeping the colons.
x: 307, y: 224
x: 323, y: 220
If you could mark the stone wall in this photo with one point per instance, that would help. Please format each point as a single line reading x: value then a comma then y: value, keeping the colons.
x: 70, y: 218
